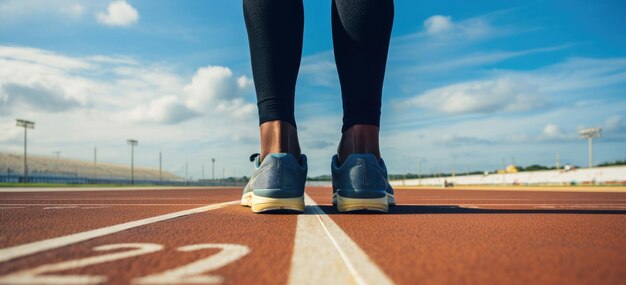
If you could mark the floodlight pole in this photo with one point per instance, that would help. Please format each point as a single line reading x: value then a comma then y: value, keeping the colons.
x: 132, y: 144
x: 56, y: 162
x: 213, y: 169
x: 26, y: 125
x: 419, y: 171
x: 558, y: 161
x: 589, y: 135
x: 590, y: 151
x: 95, y: 163
x: 453, y: 165
x: 160, y: 168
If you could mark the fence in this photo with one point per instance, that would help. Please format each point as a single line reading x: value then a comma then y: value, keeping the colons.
x: 62, y: 179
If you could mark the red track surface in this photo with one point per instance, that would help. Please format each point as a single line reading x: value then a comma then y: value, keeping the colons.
x: 431, y: 237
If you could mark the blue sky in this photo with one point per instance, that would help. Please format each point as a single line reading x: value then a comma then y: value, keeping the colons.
x: 471, y: 81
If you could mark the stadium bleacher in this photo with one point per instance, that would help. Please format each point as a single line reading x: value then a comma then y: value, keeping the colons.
x: 38, y: 165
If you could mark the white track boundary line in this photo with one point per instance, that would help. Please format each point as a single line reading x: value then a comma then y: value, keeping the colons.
x: 9, y: 253
x: 96, y: 204
x: 324, y: 254
x: 88, y: 189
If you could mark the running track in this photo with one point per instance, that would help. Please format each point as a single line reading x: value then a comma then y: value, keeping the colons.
x: 203, y: 236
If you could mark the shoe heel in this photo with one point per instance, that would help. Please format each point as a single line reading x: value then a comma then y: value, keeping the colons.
x: 263, y: 204
x: 355, y: 204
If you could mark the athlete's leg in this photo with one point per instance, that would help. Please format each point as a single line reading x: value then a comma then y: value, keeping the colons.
x: 361, y: 32
x: 275, y: 29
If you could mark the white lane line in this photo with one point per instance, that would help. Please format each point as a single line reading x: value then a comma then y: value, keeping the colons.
x: 557, y: 206
x: 48, y: 244
x: 537, y: 199
x: 89, y: 189
x: 57, y: 198
x: 93, y: 207
x: 96, y: 204
x: 324, y: 254
x: 60, y: 207
x: 74, y: 207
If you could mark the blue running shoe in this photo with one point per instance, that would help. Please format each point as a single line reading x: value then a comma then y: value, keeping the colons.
x: 277, y: 183
x: 361, y: 183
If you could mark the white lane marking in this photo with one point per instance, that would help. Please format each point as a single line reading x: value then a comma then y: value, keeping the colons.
x: 93, y: 207
x: 477, y: 205
x: 60, y: 207
x: 578, y: 206
x: 88, y: 189
x: 35, y: 275
x: 56, y: 198
x: 80, y: 205
x: 192, y: 273
x: 453, y: 199
x: 324, y: 254
x: 74, y: 207
x: 39, y: 246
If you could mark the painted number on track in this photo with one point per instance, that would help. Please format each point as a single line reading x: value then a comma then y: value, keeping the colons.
x: 192, y: 272
x: 189, y: 273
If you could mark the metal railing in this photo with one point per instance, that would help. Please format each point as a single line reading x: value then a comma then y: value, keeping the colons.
x: 67, y: 179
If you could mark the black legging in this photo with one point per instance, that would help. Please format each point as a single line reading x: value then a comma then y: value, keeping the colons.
x: 361, y: 32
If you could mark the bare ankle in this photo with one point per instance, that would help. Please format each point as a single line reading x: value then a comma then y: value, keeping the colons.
x: 279, y: 137
x: 359, y: 139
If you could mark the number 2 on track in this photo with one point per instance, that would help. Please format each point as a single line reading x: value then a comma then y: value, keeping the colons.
x: 189, y: 273
x: 192, y: 272
x: 34, y: 275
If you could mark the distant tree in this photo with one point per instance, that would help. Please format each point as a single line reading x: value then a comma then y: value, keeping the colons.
x: 535, y: 167
x: 613, y: 163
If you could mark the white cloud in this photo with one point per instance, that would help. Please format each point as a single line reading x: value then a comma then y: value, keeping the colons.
x: 441, y: 37
x: 244, y: 82
x: 119, y: 13
x: 511, y: 91
x: 320, y: 70
x: 554, y: 133
x: 460, y: 140
x: 213, y: 85
x: 35, y: 79
x: 237, y: 108
x: 45, y: 98
x: 17, y: 12
x: 213, y: 90
x: 42, y: 58
x: 614, y: 123
x: 504, y: 94
x: 10, y: 134
x: 478, y: 59
x: 552, y: 130
x: 166, y: 109
x: 473, y: 28
x: 438, y: 24
x: 79, y: 101
x: 73, y: 10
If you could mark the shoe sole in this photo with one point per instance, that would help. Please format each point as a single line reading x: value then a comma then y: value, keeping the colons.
x: 345, y: 204
x: 391, y: 200
x: 246, y: 199
x: 263, y: 204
